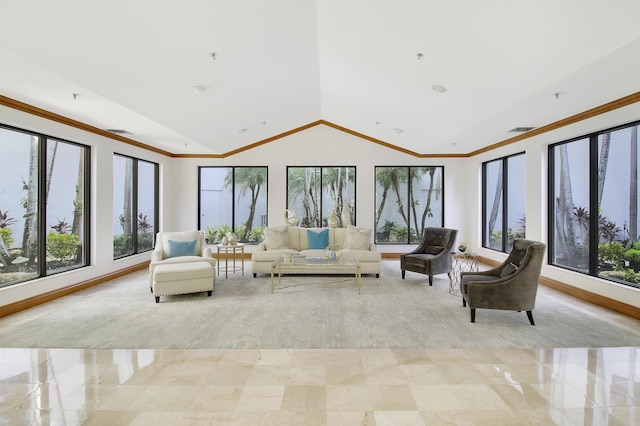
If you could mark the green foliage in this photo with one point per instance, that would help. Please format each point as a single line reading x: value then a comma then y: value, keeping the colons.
x: 611, y: 253
x: 62, y: 227
x: 122, y: 245
x: 633, y: 253
x: 631, y: 276
x: 143, y: 223
x: 62, y: 246
x: 7, y: 236
x: 224, y: 230
x: 211, y: 235
x: 145, y: 242
x: 5, y: 220
x: 257, y: 233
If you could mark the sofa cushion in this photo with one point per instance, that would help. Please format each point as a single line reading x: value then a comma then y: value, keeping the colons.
x: 277, y: 238
x: 357, y: 238
x: 181, y: 248
x: 318, y: 240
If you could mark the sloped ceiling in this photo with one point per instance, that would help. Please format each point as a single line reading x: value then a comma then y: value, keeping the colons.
x: 269, y: 66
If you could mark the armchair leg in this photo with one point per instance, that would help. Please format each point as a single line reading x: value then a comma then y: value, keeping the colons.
x: 530, y: 316
x: 403, y: 271
x: 157, y: 299
x: 209, y: 293
x: 430, y: 280
x: 464, y: 302
x: 473, y: 314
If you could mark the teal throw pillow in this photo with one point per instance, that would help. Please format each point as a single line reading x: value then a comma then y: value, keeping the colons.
x: 182, y: 248
x: 318, y: 240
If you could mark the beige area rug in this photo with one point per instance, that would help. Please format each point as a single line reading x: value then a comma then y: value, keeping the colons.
x: 308, y: 312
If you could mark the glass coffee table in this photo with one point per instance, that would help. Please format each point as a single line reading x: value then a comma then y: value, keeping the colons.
x: 315, y: 265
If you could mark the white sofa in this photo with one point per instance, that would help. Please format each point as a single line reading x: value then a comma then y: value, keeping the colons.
x: 353, y: 243
x: 185, y: 272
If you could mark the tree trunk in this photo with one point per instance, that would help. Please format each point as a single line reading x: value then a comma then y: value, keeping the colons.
x: 78, y: 204
x: 564, y: 217
x: 602, y: 164
x: 127, y: 228
x: 633, y: 185
x: 30, y: 233
x: 495, y: 208
x: 427, y: 208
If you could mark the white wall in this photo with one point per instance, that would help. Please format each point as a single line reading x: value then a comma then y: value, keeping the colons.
x: 317, y: 146
x: 320, y: 146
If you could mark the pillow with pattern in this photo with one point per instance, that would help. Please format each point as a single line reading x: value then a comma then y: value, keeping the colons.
x: 357, y: 238
x: 277, y: 238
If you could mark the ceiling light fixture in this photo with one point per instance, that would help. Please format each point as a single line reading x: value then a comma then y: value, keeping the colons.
x: 438, y: 88
x: 213, y: 55
x: 198, y: 89
x: 398, y: 130
x: 75, y: 96
x: 420, y: 56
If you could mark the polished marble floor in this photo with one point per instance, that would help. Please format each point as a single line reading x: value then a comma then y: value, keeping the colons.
x: 596, y: 386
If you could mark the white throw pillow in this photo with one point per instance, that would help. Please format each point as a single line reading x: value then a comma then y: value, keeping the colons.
x: 277, y: 238
x: 357, y: 238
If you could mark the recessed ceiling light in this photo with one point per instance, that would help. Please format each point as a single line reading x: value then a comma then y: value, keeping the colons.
x: 118, y: 131
x: 521, y: 129
x: 439, y: 88
x: 242, y: 130
x: 198, y: 89
x: 398, y: 130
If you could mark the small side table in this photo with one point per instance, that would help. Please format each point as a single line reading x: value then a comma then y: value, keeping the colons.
x: 232, y: 250
x: 461, y: 262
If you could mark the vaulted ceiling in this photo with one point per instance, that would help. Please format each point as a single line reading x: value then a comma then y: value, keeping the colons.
x: 213, y: 76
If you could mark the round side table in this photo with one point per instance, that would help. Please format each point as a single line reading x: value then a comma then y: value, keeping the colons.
x: 231, y: 250
x: 461, y: 262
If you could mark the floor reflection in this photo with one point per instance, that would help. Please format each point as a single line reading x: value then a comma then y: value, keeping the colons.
x: 325, y: 386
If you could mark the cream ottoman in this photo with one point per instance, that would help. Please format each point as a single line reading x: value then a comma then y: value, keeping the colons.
x: 182, y: 278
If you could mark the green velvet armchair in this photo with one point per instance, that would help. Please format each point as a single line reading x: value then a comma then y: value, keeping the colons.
x: 511, y: 286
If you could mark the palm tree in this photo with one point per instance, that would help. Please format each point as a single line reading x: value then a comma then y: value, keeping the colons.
x: 416, y: 174
x: 247, y: 180
x: 303, y: 182
x: 391, y: 178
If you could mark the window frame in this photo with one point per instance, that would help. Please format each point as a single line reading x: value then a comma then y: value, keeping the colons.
x: 233, y: 195
x: 43, y: 141
x: 593, y: 236
x: 409, y: 169
x: 505, y: 247
x: 135, y: 190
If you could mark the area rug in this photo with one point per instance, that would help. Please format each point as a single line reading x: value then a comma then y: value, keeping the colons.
x: 305, y: 312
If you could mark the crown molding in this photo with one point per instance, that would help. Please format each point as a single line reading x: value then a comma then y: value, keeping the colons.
x: 602, y: 109
x: 43, y: 113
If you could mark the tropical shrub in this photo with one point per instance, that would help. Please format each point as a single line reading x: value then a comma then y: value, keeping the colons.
x: 7, y: 236
x: 610, y: 253
x: 62, y: 246
x: 633, y: 254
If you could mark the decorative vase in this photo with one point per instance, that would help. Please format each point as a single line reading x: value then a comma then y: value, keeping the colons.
x: 462, y: 248
x: 345, y: 216
x: 333, y: 253
x: 332, y: 220
x: 225, y: 241
x: 233, y: 239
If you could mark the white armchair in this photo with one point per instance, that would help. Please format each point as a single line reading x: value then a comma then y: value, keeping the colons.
x: 174, y: 270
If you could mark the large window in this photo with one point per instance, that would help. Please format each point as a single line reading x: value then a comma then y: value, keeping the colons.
x: 503, y: 202
x: 596, y: 173
x: 232, y: 199
x: 314, y: 192
x: 408, y: 199
x: 43, y: 206
x: 135, y: 205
